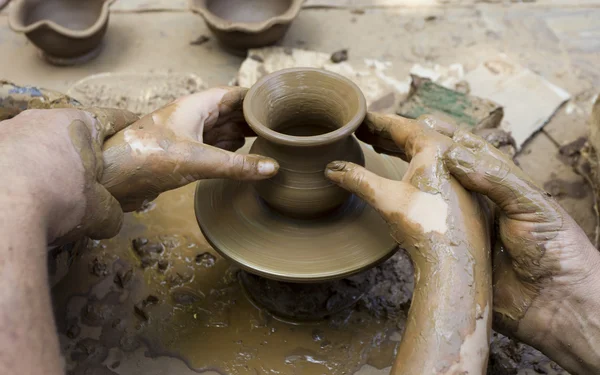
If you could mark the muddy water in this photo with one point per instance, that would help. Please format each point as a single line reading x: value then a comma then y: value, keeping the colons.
x: 170, y: 296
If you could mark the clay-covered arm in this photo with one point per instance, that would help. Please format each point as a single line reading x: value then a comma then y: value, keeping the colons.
x: 444, y: 228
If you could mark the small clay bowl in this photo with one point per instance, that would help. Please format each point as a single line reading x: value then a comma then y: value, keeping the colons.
x: 66, y: 31
x: 240, y: 25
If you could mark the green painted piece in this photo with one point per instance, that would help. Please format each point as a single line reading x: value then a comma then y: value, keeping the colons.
x: 428, y: 98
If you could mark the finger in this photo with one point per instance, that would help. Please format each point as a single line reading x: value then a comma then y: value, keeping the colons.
x: 222, y: 132
x: 496, y: 137
x: 376, y: 131
x: 104, y: 212
x: 111, y: 120
x: 500, y: 180
x: 470, y: 140
x: 441, y: 125
x: 233, y: 99
x: 383, y: 194
x: 204, y: 161
x: 188, y: 116
x: 401, y: 136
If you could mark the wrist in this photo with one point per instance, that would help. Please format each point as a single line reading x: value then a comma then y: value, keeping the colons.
x: 567, y: 328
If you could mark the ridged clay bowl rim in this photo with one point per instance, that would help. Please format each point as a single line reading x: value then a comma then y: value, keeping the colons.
x: 316, y: 140
x: 199, y: 7
x: 16, y: 26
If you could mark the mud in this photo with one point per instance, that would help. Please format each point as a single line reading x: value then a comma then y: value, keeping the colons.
x: 203, y: 320
x: 339, y: 56
x: 200, y: 314
x: 560, y: 188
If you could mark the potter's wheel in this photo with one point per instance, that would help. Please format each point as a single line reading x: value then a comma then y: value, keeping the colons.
x: 242, y: 228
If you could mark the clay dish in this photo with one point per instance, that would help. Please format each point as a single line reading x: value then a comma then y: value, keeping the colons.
x: 240, y: 25
x: 66, y: 31
x: 298, y: 226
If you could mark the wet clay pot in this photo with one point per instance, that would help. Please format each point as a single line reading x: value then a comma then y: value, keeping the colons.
x: 298, y: 226
x: 240, y: 25
x: 66, y: 31
x: 304, y: 130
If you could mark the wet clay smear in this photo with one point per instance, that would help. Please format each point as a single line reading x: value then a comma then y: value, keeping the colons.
x: 160, y: 293
x: 158, y: 300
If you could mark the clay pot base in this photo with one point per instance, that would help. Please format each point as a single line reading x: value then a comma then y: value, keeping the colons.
x: 302, y: 303
x: 242, y: 228
x: 64, y: 61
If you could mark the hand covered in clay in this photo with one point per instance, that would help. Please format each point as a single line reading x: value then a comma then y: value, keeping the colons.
x: 51, y: 161
x: 188, y: 140
x: 546, y: 284
x: 445, y: 231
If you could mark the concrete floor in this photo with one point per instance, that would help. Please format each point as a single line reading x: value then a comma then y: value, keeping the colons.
x: 557, y: 39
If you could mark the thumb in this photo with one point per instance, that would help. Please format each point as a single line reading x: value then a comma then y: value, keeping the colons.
x: 498, y: 178
x: 206, y: 161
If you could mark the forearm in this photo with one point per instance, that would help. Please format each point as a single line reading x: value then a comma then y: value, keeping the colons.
x: 28, y: 339
x: 569, y: 329
x: 449, y: 321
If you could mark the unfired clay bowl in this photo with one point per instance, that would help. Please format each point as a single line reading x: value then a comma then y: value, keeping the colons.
x: 243, y: 24
x: 67, y: 31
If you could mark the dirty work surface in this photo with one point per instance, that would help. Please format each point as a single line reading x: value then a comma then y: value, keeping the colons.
x: 157, y: 299
x: 560, y: 43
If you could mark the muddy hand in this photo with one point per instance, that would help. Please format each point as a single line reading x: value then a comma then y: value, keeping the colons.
x: 188, y: 140
x: 545, y: 268
x: 444, y: 229
x: 58, y: 164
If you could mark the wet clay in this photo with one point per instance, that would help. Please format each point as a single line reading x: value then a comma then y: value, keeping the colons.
x: 67, y: 31
x: 240, y: 25
x: 228, y: 333
x: 304, y: 119
x: 304, y: 302
x: 203, y: 317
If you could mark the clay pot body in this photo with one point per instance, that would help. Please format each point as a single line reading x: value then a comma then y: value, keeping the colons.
x: 65, y: 30
x: 304, y: 119
x: 240, y: 25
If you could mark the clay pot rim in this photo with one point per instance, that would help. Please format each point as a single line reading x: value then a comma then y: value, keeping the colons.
x: 222, y: 24
x: 17, y: 26
x: 316, y: 140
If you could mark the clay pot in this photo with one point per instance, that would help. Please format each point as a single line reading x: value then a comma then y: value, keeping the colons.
x: 298, y: 226
x: 243, y: 24
x: 67, y: 31
x: 304, y: 119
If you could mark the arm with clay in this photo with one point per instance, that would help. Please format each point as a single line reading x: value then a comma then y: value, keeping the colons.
x: 444, y: 229
x: 546, y: 271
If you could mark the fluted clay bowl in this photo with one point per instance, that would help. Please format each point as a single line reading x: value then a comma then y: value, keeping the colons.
x: 66, y: 31
x: 240, y: 25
